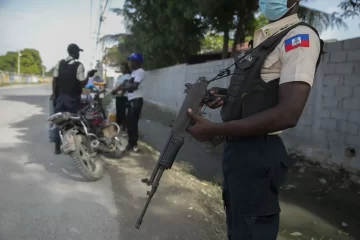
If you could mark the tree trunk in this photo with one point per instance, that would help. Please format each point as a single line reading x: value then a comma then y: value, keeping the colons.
x: 239, y: 28
x: 225, y: 50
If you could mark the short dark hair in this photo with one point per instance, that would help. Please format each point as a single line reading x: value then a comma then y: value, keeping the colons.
x: 74, y: 48
x: 126, y: 67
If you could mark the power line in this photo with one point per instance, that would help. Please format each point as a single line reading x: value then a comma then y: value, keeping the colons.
x: 91, y: 13
x: 101, y: 19
x: 102, y: 9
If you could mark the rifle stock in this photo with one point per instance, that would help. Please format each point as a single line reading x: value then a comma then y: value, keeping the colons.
x: 195, y: 96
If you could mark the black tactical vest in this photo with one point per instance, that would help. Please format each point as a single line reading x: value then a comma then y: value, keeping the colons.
x: 67, y: 82
x: 248, y: 93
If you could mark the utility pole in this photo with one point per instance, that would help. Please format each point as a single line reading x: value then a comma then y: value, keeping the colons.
x: 102, y: 9
x: 19, y: 55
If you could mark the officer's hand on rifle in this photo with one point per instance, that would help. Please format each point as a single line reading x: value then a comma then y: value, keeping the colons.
x: 219, y: 101
x: 203, y: 130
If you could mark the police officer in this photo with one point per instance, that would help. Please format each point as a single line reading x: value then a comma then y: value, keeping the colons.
x: 266, y: 95
x: 68, y: 81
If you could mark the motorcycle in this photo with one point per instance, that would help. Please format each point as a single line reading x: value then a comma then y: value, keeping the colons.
x: 86, y: 138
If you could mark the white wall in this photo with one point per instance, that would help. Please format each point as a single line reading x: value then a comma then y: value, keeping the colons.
x: 330, y: 124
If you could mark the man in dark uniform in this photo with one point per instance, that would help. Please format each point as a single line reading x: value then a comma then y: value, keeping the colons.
x: 266, y: 95
x: 69, y: 79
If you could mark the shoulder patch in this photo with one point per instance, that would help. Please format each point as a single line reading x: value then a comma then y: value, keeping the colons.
x: 300, y: 40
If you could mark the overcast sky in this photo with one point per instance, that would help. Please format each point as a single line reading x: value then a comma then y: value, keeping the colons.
x: 50, y: 25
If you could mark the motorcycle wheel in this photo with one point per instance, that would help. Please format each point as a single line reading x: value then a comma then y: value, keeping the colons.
x: 91, y: 168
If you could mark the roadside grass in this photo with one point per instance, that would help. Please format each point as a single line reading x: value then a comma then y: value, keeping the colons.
x: 207, y: 195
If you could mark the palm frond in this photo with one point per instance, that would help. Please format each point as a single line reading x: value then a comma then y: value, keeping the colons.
x: 112, y: 37
x: 117, y: 11
x: 351, y: 8
x: 321, y: 20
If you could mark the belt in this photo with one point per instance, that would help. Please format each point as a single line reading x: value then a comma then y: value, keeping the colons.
x: 265, y: 136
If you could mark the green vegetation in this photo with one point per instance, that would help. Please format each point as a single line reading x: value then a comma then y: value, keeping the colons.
x: 166, y: 32
x: 30, y: 62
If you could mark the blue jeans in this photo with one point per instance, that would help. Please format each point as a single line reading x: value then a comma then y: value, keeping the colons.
x: 65, y: 103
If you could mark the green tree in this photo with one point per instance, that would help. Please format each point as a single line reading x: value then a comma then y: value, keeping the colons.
x: 245, y: 18
x: 30, y: 62
x: 164, y: 31
x: 167, y: 31
x: 8, y: 62
x: 218, y: 15
x: 259, y: 22
x: 213, y: 42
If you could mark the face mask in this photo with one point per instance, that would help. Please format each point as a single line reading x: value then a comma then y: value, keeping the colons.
x: 274, y: 9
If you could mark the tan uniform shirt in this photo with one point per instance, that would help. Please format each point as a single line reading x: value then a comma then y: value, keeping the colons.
x: 295, y: 65
x: 80, y: 75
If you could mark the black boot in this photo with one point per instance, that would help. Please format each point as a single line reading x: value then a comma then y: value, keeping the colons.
x: 57, y: 147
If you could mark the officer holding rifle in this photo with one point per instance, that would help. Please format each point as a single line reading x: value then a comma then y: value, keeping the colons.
x: 266, y: 96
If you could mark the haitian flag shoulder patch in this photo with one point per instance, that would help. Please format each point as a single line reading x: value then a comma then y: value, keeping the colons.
x: 300, y: 40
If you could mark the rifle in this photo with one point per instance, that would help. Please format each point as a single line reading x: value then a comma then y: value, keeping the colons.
x: 197, y: 94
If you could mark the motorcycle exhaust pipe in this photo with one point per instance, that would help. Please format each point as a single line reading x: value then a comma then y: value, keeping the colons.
x: 98, y: 146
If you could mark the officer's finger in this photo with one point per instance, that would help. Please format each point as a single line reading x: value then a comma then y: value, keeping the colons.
x: 190, y: 130
x: 193, y: 115
x: 213, y: 90
x: 219, y: 104
x: 214, y: 103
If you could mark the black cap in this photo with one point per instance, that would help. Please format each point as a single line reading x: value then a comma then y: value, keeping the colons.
x: 74, y: 48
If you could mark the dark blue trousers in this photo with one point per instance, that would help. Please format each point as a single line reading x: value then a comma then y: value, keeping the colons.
x: 65, y: 103
x: 254, y: 169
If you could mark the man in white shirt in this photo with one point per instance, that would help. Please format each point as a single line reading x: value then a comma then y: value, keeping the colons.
x: 134, y: 94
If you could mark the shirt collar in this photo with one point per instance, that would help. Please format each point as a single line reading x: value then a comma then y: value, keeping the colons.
x: 268, y: 30
x: 69, y: 58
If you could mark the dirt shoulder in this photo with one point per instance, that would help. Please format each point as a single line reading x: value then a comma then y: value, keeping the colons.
x: 317, y: 204
x: 183, y: 207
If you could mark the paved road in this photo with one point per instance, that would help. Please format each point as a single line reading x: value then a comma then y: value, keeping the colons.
x: 41, y: 195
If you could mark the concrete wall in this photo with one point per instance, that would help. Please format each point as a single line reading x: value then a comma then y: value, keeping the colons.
x: 329, y: 129
x: 14, y: 78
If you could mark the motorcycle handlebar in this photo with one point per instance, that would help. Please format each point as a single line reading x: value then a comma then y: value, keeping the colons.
x: 75, y: 118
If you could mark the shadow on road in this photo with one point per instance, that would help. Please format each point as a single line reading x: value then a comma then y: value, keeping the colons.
x: 41, y: 196
x: 34, y: 134
x: 35, y: 159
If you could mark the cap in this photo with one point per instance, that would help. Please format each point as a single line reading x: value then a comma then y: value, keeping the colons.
x: 74, y: 48
x: 136, y: 57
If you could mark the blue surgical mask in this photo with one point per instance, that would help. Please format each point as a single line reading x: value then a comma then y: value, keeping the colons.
x: 274, y: 9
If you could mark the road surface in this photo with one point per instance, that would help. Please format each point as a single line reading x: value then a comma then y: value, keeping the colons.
x: 41, y: 195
